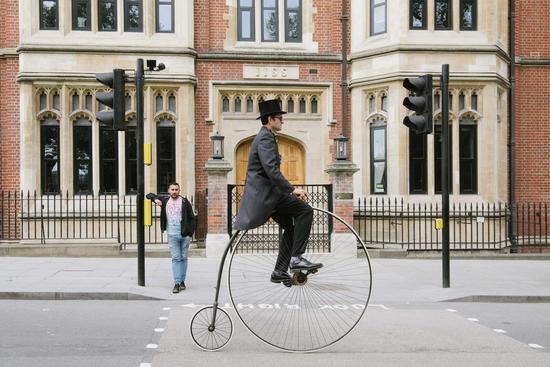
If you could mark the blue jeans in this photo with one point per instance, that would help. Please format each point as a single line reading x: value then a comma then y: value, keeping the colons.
x: 179, y: 248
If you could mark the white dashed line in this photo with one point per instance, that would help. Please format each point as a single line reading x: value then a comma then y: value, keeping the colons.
x: 473, y: 319
x: 380, y: 306
x: 500, y: 331
x: 145, y: 365
x: 159, y: 330
x: 151, y: 346
x: 166, y: 308
x: 45, y: 309
x: 451, y: 310
x: 163, y: 318
x: 536, y: 346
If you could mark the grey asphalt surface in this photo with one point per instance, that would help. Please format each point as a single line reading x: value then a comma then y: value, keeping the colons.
x: 408, y: 322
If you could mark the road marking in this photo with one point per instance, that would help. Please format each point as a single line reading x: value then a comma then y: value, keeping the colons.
x: 163, y: 318
x: 473, y: 319
x: 381, y: 306
x: 451, y: 310
x: 500, y: 331
x: 159, y: 330
x: 536, y: 346
x: 145, y: 365
x: 45, y: 309
x: 151, y: 346
x: 166, y: 308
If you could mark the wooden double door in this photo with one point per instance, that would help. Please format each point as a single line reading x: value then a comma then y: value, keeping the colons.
x: 292, y: 164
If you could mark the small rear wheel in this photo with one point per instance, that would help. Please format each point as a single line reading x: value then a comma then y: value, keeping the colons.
x: 208, y: 336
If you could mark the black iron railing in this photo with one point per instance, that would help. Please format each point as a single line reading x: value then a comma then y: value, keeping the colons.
x: 266, y: 238
x: 30, y: 216
x: 387, y: 222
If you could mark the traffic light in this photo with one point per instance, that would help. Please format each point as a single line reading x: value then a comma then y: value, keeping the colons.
x: 114, y: 99
x: 421, y: 103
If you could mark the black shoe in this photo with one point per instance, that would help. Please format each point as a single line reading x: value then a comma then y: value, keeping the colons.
x: 280, y: 276
x: 176, y: 288
x: 182, y: 286
x: 300, y: 263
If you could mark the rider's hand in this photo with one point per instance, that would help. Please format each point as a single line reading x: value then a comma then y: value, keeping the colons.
x: 158, y: 202
x: 299, y: 193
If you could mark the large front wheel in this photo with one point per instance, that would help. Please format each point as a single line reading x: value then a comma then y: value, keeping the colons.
x: 318, y: 308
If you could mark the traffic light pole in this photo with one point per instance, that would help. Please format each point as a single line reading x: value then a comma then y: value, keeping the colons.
x: 140, y: 173
x: 445, y: 174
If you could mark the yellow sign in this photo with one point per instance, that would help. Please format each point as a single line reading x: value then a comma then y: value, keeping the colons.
x: 439, y: 223
x: 147, y: 158
x: 147, y: 212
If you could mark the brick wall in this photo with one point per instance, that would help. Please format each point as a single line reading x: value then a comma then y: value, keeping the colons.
x: 532, y: 129
x: 533, y: 28
x: 9, y: 103
x: 532, y: 104
x: 231, y: 70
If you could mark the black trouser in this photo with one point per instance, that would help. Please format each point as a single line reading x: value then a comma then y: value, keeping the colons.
x: 295, y: 217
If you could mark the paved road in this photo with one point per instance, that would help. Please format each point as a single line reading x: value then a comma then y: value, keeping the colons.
x: 78, y: 333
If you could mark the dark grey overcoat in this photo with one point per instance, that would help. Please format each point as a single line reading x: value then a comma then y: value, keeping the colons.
x: 265, y: 185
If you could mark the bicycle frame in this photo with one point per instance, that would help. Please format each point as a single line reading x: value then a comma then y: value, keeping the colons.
x: 212, y: 325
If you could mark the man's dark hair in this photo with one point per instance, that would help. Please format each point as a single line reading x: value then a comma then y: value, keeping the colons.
x: 173, y: 183
x: 264, y: 119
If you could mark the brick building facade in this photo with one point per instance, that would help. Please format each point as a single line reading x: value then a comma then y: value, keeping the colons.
x: 9, y: 90
x: 532, y: 101
x: 224, y: 56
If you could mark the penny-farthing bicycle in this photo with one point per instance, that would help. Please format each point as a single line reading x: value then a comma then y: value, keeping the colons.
x: 318, y: 309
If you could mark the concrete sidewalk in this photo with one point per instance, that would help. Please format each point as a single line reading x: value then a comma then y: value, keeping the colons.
x: 394, y: 280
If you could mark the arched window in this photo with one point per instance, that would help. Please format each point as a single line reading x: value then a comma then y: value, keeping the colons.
x: 75, y: 102
x: 225, y: 104
x: 158, y: 104
x: 43, y: 100
x: 238, y: 104
x: 378, y: 154
x: 56, y: 100
x: 302, y: 105
x: 461, y: 101
x: 384, y: 103
x: 82, y: 155
x: 130, y: 152
x: 89, y: 101
x: 108, y: 160
x: 418, y: 163
x: 468, y: 156
x: 438, y: 151
x: 166, y: 154
x: 290, y: 105
x: 172, y: 103
x: 372, y: 104
x: 474, y: 101
x: 49, y: 156
x: 249, y: 104
x: 128, y: 102
x: 314, y: 105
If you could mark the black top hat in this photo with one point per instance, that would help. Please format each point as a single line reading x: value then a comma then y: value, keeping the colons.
x: 270, y: 107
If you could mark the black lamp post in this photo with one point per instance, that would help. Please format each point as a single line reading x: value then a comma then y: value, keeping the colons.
x: 341, y: 148
x: 217, y: 146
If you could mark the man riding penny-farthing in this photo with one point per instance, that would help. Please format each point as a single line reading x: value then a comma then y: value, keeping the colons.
x: 323, y: 297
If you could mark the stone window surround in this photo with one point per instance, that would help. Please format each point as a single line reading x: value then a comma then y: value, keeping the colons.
x: 306, y: 45
x: 65, y: 19
x: 66, y: 147
x: 322, y: 91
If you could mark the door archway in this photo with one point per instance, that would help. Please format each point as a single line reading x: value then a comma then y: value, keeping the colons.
x: 292, y: 164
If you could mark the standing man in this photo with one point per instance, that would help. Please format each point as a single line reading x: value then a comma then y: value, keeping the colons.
x: 178, y: 220
x: 267, y: 194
